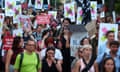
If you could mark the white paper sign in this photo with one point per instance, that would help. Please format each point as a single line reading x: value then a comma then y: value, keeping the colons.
x: 18, y: 32
x: 38, y: 4
x: 102, y: 14
x: 53, y: 13
x: 79, y: 15
x: 17, y: 12
x: 25, y: 22
x: 9, y: 7
x: 93, y: 10
x: 104, y: 27
x: 75, y: 41
x: 1, y: 21
x: 69, y: 11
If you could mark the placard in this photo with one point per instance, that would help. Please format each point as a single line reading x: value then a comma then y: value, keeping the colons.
x: 7, y: 42
x: 93, y: 6
x: 104, y: 27
x: 38, y: 4
x: 9, y: 7
x: 53, y: 14
x: 43, y: 19
x: 79, y: 15
x: 69, y: 11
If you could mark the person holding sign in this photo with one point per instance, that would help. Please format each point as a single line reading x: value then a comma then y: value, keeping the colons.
x: 12, y: 53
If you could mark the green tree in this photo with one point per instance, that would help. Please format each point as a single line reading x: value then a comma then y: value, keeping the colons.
x: 55, y: 3
x: 117, y: 6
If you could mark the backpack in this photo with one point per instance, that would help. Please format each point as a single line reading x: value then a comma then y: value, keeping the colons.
x: 21, y: 59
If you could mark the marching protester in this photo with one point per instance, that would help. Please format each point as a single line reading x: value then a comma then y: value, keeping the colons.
x: 50, y: 63
x: 49, y: 42
x: 12, y: 53
x: 108, y: 65
x: 28, y: 61
x: 82, y: 62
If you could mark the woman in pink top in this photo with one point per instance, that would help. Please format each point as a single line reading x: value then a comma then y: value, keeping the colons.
x: 82, y: 62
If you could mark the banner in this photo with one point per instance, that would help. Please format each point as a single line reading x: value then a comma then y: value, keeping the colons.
x: 53, y: 14
x: 38, y: 4
x: 9, y: 7
x: 93, y: 6
x: 79, y: 15
x: 104, y: 27
x: 43, y: 19
x: 69, y: 11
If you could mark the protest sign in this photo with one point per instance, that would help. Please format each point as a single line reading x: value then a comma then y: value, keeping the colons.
x: 104, y: 27
x: 53, y: 14
x: 93, y: 6
x: 9, y: 7
x: 7, y: 42
x: 25, y: 22
x: 38, y: 4
x: 17, y: 12
x: 69, y: 11
x: 1, y: 23
x: 78, y: 32
x: 18, y: 32
x: 79, y: 15
x: 43, y: 19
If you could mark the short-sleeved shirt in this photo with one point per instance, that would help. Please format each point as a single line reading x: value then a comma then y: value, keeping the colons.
x: 58, y: 54
x: 116, y: 59
x: 103, y: 48
x: 29, y: 63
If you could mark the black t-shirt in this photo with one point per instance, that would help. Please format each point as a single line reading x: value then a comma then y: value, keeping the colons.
x: 47, y: 68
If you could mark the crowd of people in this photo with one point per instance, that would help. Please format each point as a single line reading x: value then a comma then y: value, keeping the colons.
x: 46, y: 47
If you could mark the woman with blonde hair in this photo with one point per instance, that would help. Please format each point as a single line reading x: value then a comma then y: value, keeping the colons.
x: 84, y: 61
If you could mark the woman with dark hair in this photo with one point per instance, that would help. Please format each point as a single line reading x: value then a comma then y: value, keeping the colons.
x: 108, y: 65
x: 12, y: 53
x: 84, y: 41
x: 49, y: 63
